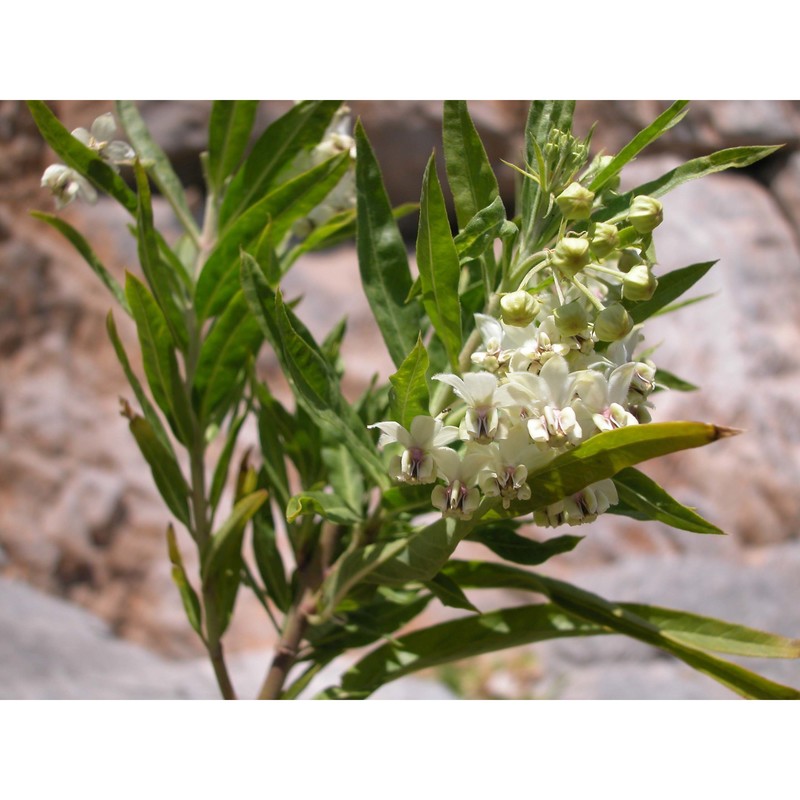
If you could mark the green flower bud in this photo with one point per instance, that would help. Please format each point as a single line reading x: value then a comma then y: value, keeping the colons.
x: 571, y: 255
x: 646, y: 214
x: 575, y: 202
x: 605, y: 239
x: 639, y: 283
x: 613, y: 323
x: 628, y: 259
x: 571, y: 318
x: 518, y: 308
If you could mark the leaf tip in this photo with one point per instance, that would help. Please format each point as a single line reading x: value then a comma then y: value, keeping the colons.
x: 722, y: 432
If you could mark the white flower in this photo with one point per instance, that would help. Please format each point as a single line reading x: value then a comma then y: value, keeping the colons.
x: 98, y: 138
x: 583, y: 506
x: 540, y: 345
x: 423, y: 445
x: 459, y: 498
x: 484, y: 421
x: 66, y: 184
x: 605, y: 398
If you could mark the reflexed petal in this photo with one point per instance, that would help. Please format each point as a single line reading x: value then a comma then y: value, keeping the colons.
x: 82, y: 135
x: 446, y: 435
x: 480, y: 386
x: 455, y: 383
x: 448, y: 462
x: 117, y: 152
x: 392, y: 432
x: 103, y: 127
x: 423, y: 430
x: 619, y: 382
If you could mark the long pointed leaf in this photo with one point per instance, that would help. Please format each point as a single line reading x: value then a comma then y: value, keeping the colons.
x: 670, y: 287
x: 228, y: 132
x: 409, y: 396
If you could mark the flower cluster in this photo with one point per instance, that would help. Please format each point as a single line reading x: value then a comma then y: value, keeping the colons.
x: 66, y: 183
x: 556, y: 367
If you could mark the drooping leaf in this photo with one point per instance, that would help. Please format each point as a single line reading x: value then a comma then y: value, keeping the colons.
x: 300, y: 128
x: 642, y: 498
x: 506, y: 543
x: 382, y: 257
x: 159, y: 165
x: 409, y: 396
x: 458, y: 639
x: 277, y: 211
x: 228, y: 133
x: 89, y: 256
x: 166, y: 473
x: 449, y: 592
x: 439, y: 269
x: 469, y: 172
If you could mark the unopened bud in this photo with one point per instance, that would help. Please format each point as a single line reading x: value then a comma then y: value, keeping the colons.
x: 571, y: 318
x: 628, y: 259
x: 645, y: 214
x: 605, y: 239
x: 518, y: 308
x: 639, y: 283
x: 571, y: 255
x: 575, y: 202
x: 612, y: 323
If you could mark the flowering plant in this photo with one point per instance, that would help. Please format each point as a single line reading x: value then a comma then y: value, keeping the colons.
x: 521, y: 393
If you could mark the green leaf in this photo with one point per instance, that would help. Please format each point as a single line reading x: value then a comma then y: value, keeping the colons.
x: 604, y: 455
x: 191, y: 603
x: 458, y: 639
x: 439, y: 269
x: 673, y: 115
x: 406, y: 498
x: 160, y: 276
x: 481, y: 231
x: 166, y: 473
x: 81, y: 158
x: 409, y: 396
x: 151, y: 415
x: 642, y: 498
x: 670, y: 287
x: 276, y: 212
x: 345, y: 476
x: 666, y: 380
x: 223, y: 463
x: 683, y: 304
x: 622, y: 618
x: 228, y: 133
x: 269, y: 560
x: 269, y: 419
x: 382, y: 257
x: 449, y: 592
x: 299, y: 129
x: 310, y: 376
x: 234, y: 338
x: 502, y: 540
x: 82, y: 246
x: 734, y: 157
x: 328, y: 506
x: 469, y: 172
x: 163, y: 174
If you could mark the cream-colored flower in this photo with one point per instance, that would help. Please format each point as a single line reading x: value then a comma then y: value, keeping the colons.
x: 460, y: 498
x: 66, y: 184
x: 484, y: 421
x: 98, y: 138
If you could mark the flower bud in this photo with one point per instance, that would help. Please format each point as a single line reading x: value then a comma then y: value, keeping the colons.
x: 571, y: 255
x: 628, y: 259
x: 645, y: 214
x: 518, y: 308
x: 612, y: 323
x: 571, y: 318
x: 639, y: 283
x: 575, y: 202
x: 605, y: 239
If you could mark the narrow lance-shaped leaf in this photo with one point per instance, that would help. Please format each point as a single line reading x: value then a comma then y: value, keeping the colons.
x: 469, y: 173
x: 159, y: 165
x: 300, y: 128
x: 382, y: 257
x: 269, y: 560
x: 641, y: 497
x: 409, y: 396
x: 667, y: 380
x: 234, y: 338
x: 81, y: 158
x: 82, y: 246
x: 223, y: 463
x: 481, y: 231
x: 456, y: 640
x: 191, y: 602
x: 345, y: 476
x: 734, y: 157
x: 673, y: 115
x: 228, y: 133
x: 506, y: 543
x: 328, y: 506
x: 449, y: 593
x: 439, y: 269
x: 274, y: 214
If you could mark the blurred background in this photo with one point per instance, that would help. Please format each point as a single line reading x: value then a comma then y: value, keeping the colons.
x: 87, y: 604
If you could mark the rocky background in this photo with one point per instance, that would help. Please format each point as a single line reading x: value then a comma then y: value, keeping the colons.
x: 81, y: 522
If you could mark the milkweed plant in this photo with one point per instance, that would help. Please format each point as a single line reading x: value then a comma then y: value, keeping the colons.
x: 521, y: 402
